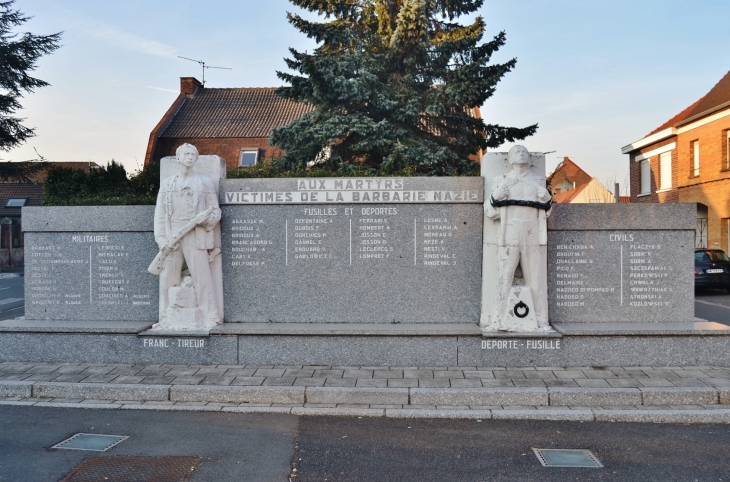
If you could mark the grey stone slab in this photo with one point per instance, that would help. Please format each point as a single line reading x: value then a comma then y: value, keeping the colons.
x: 547, y: 414
x: 623, y: 217
x: 479, y: 396
x: 15, y: 389
x: 114, y: 348
x: 90, y: 276
x: 376, y: 329
x: 324, y: 190
x: 594, y: 396
x: 73, y: 326
x: 396, y: 255
x: 403, y: 382
x: 724, y: 395
x: 626, y: 276
x: 348, y: 350
x: 100, y: 391
x: 237, y: 394
x: 257, y: 409
x: 663, y: 416
x: 623, y: 350
x: 697, y: 328
x: 438, y: 413
x: 679, y: 396
x: 338, y: 412
x: 370, y: 396
x: 88, y: 218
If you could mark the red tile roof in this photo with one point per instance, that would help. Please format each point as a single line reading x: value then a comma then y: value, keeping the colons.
x: 568, y: 196
x: 32, y: 192
x: 233, y: 112
x: 717, y: 98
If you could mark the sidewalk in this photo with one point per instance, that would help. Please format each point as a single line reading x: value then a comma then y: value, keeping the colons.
x: 642, y: 394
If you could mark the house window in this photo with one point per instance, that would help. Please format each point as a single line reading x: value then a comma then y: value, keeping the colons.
x: 695, y: 154
x: 665, y: 170
x: 249, y: 157
x: 727, y: 149
x: 645, y: 177
x: 15, y: 202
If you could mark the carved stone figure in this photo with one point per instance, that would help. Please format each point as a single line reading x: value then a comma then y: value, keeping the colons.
x: 186, y: 219
x: 520, y: 203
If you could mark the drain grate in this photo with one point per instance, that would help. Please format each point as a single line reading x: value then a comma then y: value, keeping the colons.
x: 567, y: 458
x: 91, y: 441
x: 133, y: 469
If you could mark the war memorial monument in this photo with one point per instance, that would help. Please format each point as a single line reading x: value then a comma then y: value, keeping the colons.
x: 406, y: 271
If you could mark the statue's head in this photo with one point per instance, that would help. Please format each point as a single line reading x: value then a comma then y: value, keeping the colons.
x: 187, y: 155
x: 518, y: 155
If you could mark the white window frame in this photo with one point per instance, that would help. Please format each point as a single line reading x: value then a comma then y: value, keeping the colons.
x: 665, y: 171
x: 695, y: 158
x: 727, y: 150
x: 645, y: 177
x: 244, y: 150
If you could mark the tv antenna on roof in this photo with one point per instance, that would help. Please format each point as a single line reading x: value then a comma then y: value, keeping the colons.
x: 202, y: 64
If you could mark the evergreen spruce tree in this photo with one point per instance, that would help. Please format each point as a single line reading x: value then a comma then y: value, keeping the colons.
x: 18, y: 57
x: 393, y: 83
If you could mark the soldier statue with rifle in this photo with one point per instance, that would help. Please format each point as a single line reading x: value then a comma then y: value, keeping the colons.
x: 186, y: 217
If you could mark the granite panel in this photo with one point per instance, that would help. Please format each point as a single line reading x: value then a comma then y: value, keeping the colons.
x: 345, y: 190
x: 665, y: 329
x: 72, y: 326
x: 621, y: 217
x: 90, y: 276
x: 348, y: 350
x: 197, y: 393
x: 100, y: 391
x: 408, y: 263
x: 114, y: 348
x: 88, y: 218
x: 621, y: 276
x: 366, y: 329
x: 588, y: 397
x: 610, y: 351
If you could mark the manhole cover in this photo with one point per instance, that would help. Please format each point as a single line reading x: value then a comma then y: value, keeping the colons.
x: 133, y: 469
x: 566, y: 458
x: 91, y: 441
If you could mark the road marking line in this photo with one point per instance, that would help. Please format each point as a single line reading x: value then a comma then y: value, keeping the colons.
x: 712, y: 304
x: 10, y: 300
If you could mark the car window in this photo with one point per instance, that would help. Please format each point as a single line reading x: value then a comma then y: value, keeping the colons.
x: 701, y: 257
x: 717, y: 256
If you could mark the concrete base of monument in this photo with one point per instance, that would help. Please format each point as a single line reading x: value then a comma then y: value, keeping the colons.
x: 413, y: 345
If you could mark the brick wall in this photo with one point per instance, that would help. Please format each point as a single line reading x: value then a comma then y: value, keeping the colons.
x: 671, y: 196
x: 228, y: 148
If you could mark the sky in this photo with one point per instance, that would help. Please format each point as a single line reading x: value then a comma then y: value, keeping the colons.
x: 595, y: 75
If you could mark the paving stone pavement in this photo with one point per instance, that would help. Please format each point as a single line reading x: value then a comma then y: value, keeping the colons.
x: 654, y: 394
x: 380, y: 377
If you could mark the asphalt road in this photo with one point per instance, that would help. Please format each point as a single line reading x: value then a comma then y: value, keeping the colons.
x: 713, y: 305
x: 12, y: 302
x: 263, y: 448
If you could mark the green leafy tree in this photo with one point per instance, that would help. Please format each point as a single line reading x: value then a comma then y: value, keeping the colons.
x: 395, y: 84
x: 18, y: 56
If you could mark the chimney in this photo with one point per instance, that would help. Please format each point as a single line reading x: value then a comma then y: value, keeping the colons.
x: 189, y: 85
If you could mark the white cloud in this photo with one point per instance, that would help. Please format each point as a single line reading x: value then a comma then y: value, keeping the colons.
x: 130, y: 41
x: 162, y: 89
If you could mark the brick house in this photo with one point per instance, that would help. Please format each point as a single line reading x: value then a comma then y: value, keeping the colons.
x: 233, y: 123
x: 687, y: 159
x: 568, y: 183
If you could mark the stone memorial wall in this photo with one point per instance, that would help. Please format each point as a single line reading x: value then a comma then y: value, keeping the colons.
x: 621, y: 263
x: 388, y: 251
x: 89, y: 263
x: 373, y: 250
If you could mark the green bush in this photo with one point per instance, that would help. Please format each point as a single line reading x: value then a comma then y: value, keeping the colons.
x: 101, y: 186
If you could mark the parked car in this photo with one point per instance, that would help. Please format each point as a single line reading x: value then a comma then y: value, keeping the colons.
x: 712, y: 269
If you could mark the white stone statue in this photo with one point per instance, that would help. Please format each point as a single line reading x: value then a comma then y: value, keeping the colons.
x: 514, y: 274
x: 187, y: 231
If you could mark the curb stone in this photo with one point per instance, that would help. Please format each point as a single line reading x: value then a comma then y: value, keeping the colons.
x: 679, y: 396
x: 586, y: 397
x: 16, y: 389
x: 236, y: 394
x: 101, y: 391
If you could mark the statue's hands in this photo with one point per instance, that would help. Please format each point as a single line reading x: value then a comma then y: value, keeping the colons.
x: 167, y: 250
x: 201, y: 218
x: 543, y: 195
